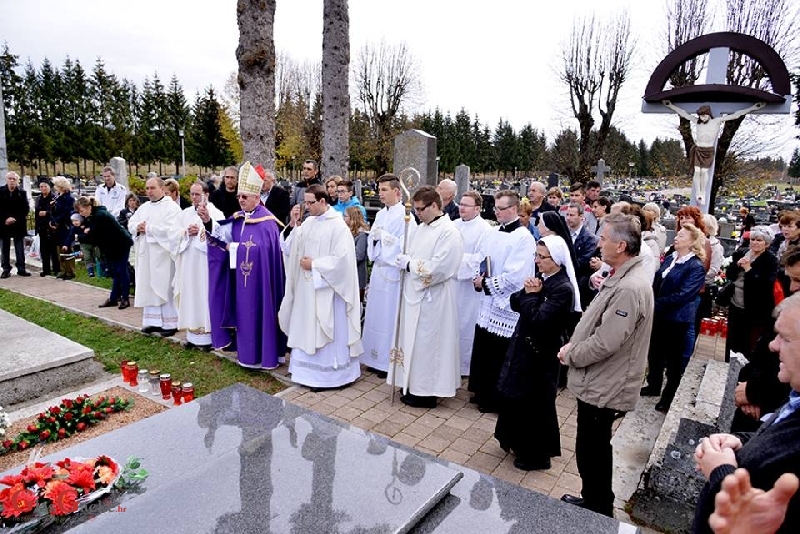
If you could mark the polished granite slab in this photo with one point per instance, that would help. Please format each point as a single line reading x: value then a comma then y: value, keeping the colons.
x: 241, y: 461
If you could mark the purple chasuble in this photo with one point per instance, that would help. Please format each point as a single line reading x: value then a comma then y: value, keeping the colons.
x: 248, y: 297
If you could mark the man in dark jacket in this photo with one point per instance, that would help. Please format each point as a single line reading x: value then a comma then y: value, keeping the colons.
x: 14, y: 210
x: 47, y: 245
x: 224, y: 198
x: 772, y: 450
x: 274, y: 197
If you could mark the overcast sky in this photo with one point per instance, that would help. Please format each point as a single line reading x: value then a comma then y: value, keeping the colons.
x: 496, y: 59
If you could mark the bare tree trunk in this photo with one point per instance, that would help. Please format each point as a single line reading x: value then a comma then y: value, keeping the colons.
x: 3, y: 151
x: 335, y: 88
x: 256, y: 57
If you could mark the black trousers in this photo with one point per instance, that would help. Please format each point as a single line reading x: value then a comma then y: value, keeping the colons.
x: 667, y: 344
x: 19, y: 249
x: 49, y: 254
x: 594, y: 457
x: 488, y: 353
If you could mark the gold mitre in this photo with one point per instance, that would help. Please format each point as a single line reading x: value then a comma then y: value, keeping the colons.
x: 249, y: 180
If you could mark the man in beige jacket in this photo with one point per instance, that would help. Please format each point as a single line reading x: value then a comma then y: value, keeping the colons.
x: 607, y: 356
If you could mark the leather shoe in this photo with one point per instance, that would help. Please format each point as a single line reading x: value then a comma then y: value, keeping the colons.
x: 43, y: 274
x: 23, y: 273
x: 488, y: 408
x: 5, y: 274
x: 108, y: 304
x: 168, y: 333
x: 418, y: 402
x: 151, y: 329
x: 663, y: 406
x: 124, y: 303
x: 532, y: 466
x: 649, y: 391
x: 204, y: 348
x: 574, y: 500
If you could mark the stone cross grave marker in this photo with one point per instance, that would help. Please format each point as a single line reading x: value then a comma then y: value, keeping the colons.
x: 600, y: 170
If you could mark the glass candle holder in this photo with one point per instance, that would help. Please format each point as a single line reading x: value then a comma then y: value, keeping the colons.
x: 187, y: 392
x: 154, y: 381
x: 176, y: 393
x: 143, y: 379
x: 165, y: 382
x: 133, y: 370
x: 123, y: 367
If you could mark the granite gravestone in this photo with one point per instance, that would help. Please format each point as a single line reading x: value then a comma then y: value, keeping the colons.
x: 415, y: 148
x: 239, y: 460
x: 120, y: 169
x: 552, y: 180
x: 600, y: 170
x: 462, y: 180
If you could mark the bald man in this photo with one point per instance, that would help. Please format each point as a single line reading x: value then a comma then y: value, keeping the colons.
x: 447, y: 190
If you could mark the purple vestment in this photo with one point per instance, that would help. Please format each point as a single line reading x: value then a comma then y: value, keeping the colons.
x: 248, y: 297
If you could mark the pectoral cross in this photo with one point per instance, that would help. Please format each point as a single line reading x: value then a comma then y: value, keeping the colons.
x: 247, y: 266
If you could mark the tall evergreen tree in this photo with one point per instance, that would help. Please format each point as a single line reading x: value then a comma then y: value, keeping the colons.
x: 178, y: 115
x: 207, y: 146
x: 794, y: 164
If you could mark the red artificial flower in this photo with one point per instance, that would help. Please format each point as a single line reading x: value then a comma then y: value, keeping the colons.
x: 17, y: 500
x: 51, y: 420
x: 67, y: 404
x: 33, y: 428
x: 65, y: 463
x: 105, y: 460
x: 99, y: 415
x: 63, y: 496
x: 24, y: 445
x: 43, y: 436
x: 79, y: 400
x: 101, y: 399
x: 55, y: 410
x: 42, y: 417
x: 112, y: 400
x: 109, y: 410
x: 81, y: 476
x: 39, y: 473
x: 62, y: 433
x: 87, y: 410
x: 68, y: 416
x: 81, y: 426
x: 11, y: 480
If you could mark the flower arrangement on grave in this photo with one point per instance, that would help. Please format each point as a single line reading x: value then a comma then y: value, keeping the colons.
x: 43, y: 492
x: 64, y: 420
x: 719, y: 279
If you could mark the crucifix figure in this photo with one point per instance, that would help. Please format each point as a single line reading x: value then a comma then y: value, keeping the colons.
x: 707, y: 130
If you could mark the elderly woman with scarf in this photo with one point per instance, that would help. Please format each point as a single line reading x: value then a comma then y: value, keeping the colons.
x: 527, y: 423
x: 675, y: 288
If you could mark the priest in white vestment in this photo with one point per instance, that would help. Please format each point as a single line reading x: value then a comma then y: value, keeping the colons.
x: 321, y: 309
x: 191, y: 268
x: 472, y: 228
x: 156, y: 230
x: 429, y: 367
x: 511, y: 248
x: 384, y: 244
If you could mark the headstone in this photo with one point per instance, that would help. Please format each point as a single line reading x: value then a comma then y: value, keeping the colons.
x: 272, y: 466
x: 600, y: 170
x: 28, y: 187
x: 358, y: 189
x: 120, y: 169
x: 462, y: 180
x: 552, y: 180
x: 415, y: 148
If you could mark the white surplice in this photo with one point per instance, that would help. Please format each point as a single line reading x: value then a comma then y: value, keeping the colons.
x: 512, y: 255
x: 156, y: 249
x: 190, y: 284
x: 468, y: 300
x: 383, y: 294
x: 321, y: 310
x: 429, y: 318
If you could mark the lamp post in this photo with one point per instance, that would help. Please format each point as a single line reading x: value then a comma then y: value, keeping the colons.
x: 630, y: 166
x: 183, y: 155
x: 437, y: 168
x: 294, y: 177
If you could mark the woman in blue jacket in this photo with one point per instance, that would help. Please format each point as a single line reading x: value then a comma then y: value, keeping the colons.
x: 675, y: 287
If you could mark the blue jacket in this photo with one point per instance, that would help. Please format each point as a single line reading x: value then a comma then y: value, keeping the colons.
x: 675, y: 294
x: 341, y: 206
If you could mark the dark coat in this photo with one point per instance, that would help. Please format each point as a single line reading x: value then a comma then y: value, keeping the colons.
x: 46, y: 204
x: 675, y: 295
x: 452, y: 210
x: 106, y: 232
x: 585, y: 244
x: 225, y: 201
x: 13, y: 204
x: 64, y: 206
x: 766, y: 454
x: 278, y: 203
x: 540, y: 333
x: 759, y: 282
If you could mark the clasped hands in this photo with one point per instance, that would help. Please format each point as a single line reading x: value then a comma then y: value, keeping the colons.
x: 402, y: 261
x: 532, y: 285
x: 714, y: 451
x: 743, y: 403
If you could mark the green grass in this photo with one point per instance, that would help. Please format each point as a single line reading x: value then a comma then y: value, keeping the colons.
x: 82, y: 275
x: 111, y: 345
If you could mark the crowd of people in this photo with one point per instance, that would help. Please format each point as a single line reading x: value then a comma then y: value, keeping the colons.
x: 583, y: 292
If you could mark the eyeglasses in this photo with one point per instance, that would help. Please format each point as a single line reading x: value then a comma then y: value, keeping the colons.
x: 310, y: 202
x: 498, y: 209
x: 423, y: 208
x: 543, y: 257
